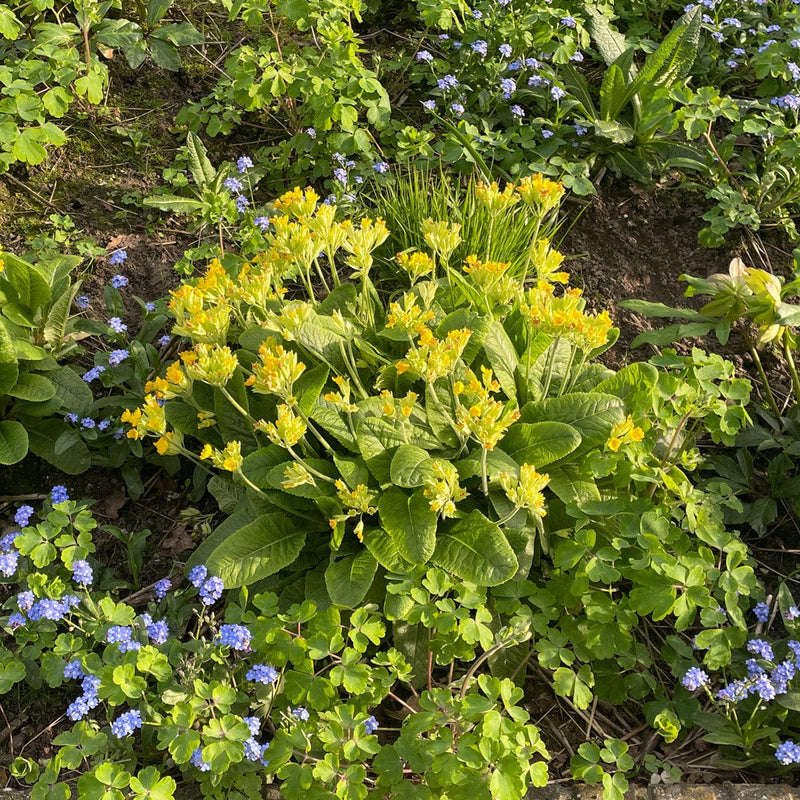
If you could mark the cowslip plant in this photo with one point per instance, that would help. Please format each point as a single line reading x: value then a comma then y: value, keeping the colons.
x: 232, y: 700
x: 379, y: 416
x: 464, y: 425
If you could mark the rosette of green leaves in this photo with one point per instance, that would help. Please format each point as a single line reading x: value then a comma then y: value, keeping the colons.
x: 37, y: 329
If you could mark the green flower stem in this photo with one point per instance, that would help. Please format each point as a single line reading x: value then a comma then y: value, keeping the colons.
x: 567, y: 377
x: 311, y: 427
x: 787, y: 352
x: 235, y: 403
x: 763, y: 375
x: 529, y: 257
x: 551, y: 358
x: 484, y: 475
x: 351, y: 368
x: 302, y: 462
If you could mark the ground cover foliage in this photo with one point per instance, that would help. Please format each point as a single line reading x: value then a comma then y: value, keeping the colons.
x: 432, y: 503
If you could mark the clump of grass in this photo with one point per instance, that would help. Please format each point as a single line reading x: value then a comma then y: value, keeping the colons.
x: 421, y: 194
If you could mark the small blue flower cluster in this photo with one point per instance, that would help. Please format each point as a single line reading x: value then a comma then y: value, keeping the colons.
x: 235, y: 186
x: 262, y: 673
x: 53, y: 609
x: 125, y: 724
x: 82, y: 705
x: 123, y: 636
x: 118, y: 257
x: 211, y: 588
x: 237, y: 637
x: 157, y: 632
x: 162, y: 587
x: 9, y: 555
x: 253, y: 749
x: 82, y: 573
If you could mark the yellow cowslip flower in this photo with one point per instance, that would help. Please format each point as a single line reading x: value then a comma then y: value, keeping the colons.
x: 479, y: 415
x: 492, y: 279
x: 206, y: 419
x: 229, y: 459
x: 493, y: 199
x: 297, y: 241
x: 287, y: 430
x: 298, y: 202
x: 361, y: 241
x: 293, y: 315
x: 526, y: 491
x: 546, y: 262
x: 387, y: 403
x: 407, y: 315
x: 416, y: 263
x: 541, y: 192
x: 407, y: 404
x: 214, y: 365
x: 442, y: 488
x: 132, y: 418
x: 170, y: 444
x: 256, y: 287
x: 433, y: 358
x: 563, y: 316
x: 296, y: 475
x: 158, y: 386
x: 209, y: 326
x: 149, y: 420
x: 361, y: 499
x: 624, y: 433
x: 179, y: 382
x: 276, y: 371
x: 442, y: 237
x: 342, y: 397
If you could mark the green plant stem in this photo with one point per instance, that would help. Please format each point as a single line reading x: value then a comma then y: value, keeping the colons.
x: 314, y: 472
x: 566, y: 377
x: 351, y: 368
x: 763, y: 375
x: 484, y: 476
x: 551, y: 357
x: 313, y: 430
x: 787, y: 352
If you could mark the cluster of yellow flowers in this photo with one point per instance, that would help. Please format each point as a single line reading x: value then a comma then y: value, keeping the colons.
x: 229, y: 459
x: 416, y: 263
x: 624, y: 433
x: 407, y: 315
x: 492, y: 279
x: 563, y: 316
x: 390, y: 405
x: 478, y: 414
x: 535, y: 190
x: 434, y: 358
x: 276, y: 371
x: 287, y: 430
x: 356, y: 502
x: 442, y: 488
x: 525, y: 491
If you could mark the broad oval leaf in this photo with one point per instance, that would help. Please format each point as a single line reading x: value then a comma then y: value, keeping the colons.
x: 35, y: 388
x: 410, y: 523
x: 592, y: 414
x: 266, y: 545
x: 13, y: 442
x: 540, y: 443
x: 348, y: 579
x: 410, y: 464
x: 475, y: 550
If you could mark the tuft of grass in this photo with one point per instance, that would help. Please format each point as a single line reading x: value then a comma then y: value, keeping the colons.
x: 421, y: 194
